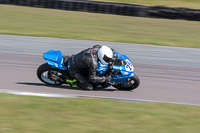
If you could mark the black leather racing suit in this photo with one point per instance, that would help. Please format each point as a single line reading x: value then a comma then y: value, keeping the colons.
x: 86, y: 60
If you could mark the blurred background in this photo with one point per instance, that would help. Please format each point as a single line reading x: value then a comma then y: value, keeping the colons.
x: 140, y: 28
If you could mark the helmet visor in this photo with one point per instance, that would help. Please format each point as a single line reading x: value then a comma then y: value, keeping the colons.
x: 106, y: 58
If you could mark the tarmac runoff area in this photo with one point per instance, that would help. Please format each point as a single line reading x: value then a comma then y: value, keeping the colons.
x: 167, y: 74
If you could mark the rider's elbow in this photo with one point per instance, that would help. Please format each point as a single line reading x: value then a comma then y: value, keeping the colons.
x: 96, y: 79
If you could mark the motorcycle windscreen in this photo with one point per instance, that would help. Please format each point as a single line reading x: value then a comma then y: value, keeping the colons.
x: 55, y: 59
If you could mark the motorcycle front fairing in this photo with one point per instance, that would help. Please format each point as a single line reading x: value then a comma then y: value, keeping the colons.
x: 125, y: 70
x: 55, y: 59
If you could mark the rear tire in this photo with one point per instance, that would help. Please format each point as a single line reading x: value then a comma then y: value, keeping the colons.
x: 43, y: 74
x: 130, y: 86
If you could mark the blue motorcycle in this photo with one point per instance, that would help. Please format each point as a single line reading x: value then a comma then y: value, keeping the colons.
x: 55, y: 72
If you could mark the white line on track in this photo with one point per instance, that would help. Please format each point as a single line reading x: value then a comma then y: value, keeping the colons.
x: 86, y: 96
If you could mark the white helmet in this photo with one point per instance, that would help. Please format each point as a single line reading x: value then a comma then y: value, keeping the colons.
x: 105, y: 54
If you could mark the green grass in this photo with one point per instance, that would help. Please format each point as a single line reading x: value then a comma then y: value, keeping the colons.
x: 26, y: 114
x: 170, y: 3
x: 17, y: 20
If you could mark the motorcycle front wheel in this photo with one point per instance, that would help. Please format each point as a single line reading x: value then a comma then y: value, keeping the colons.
x: 49, y: 75
x: 132, y: 83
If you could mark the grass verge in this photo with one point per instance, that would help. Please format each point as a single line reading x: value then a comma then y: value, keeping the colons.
x: 17, y: 20
x: 27, y: 114
x: 170, y: 3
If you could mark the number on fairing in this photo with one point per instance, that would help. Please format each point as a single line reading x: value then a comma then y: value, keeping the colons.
x: 129, y: 66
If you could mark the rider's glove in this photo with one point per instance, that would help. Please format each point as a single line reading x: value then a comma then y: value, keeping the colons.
x: 108, y: 78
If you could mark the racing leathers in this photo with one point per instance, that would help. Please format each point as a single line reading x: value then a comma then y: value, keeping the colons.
x: 86, y: 60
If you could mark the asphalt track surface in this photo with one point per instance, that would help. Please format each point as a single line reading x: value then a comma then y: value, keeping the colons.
x: 167, y: 74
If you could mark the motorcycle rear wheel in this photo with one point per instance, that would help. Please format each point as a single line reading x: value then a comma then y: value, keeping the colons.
x: 48, y: 74
x: 131, y: 85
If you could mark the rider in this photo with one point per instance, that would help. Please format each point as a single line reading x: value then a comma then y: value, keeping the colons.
x: 88, y: 60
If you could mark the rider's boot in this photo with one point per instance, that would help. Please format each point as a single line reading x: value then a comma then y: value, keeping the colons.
x: 72, y: 82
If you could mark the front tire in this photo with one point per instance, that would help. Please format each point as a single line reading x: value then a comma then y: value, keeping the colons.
x: 48, y: 74
x: 131, y: 85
